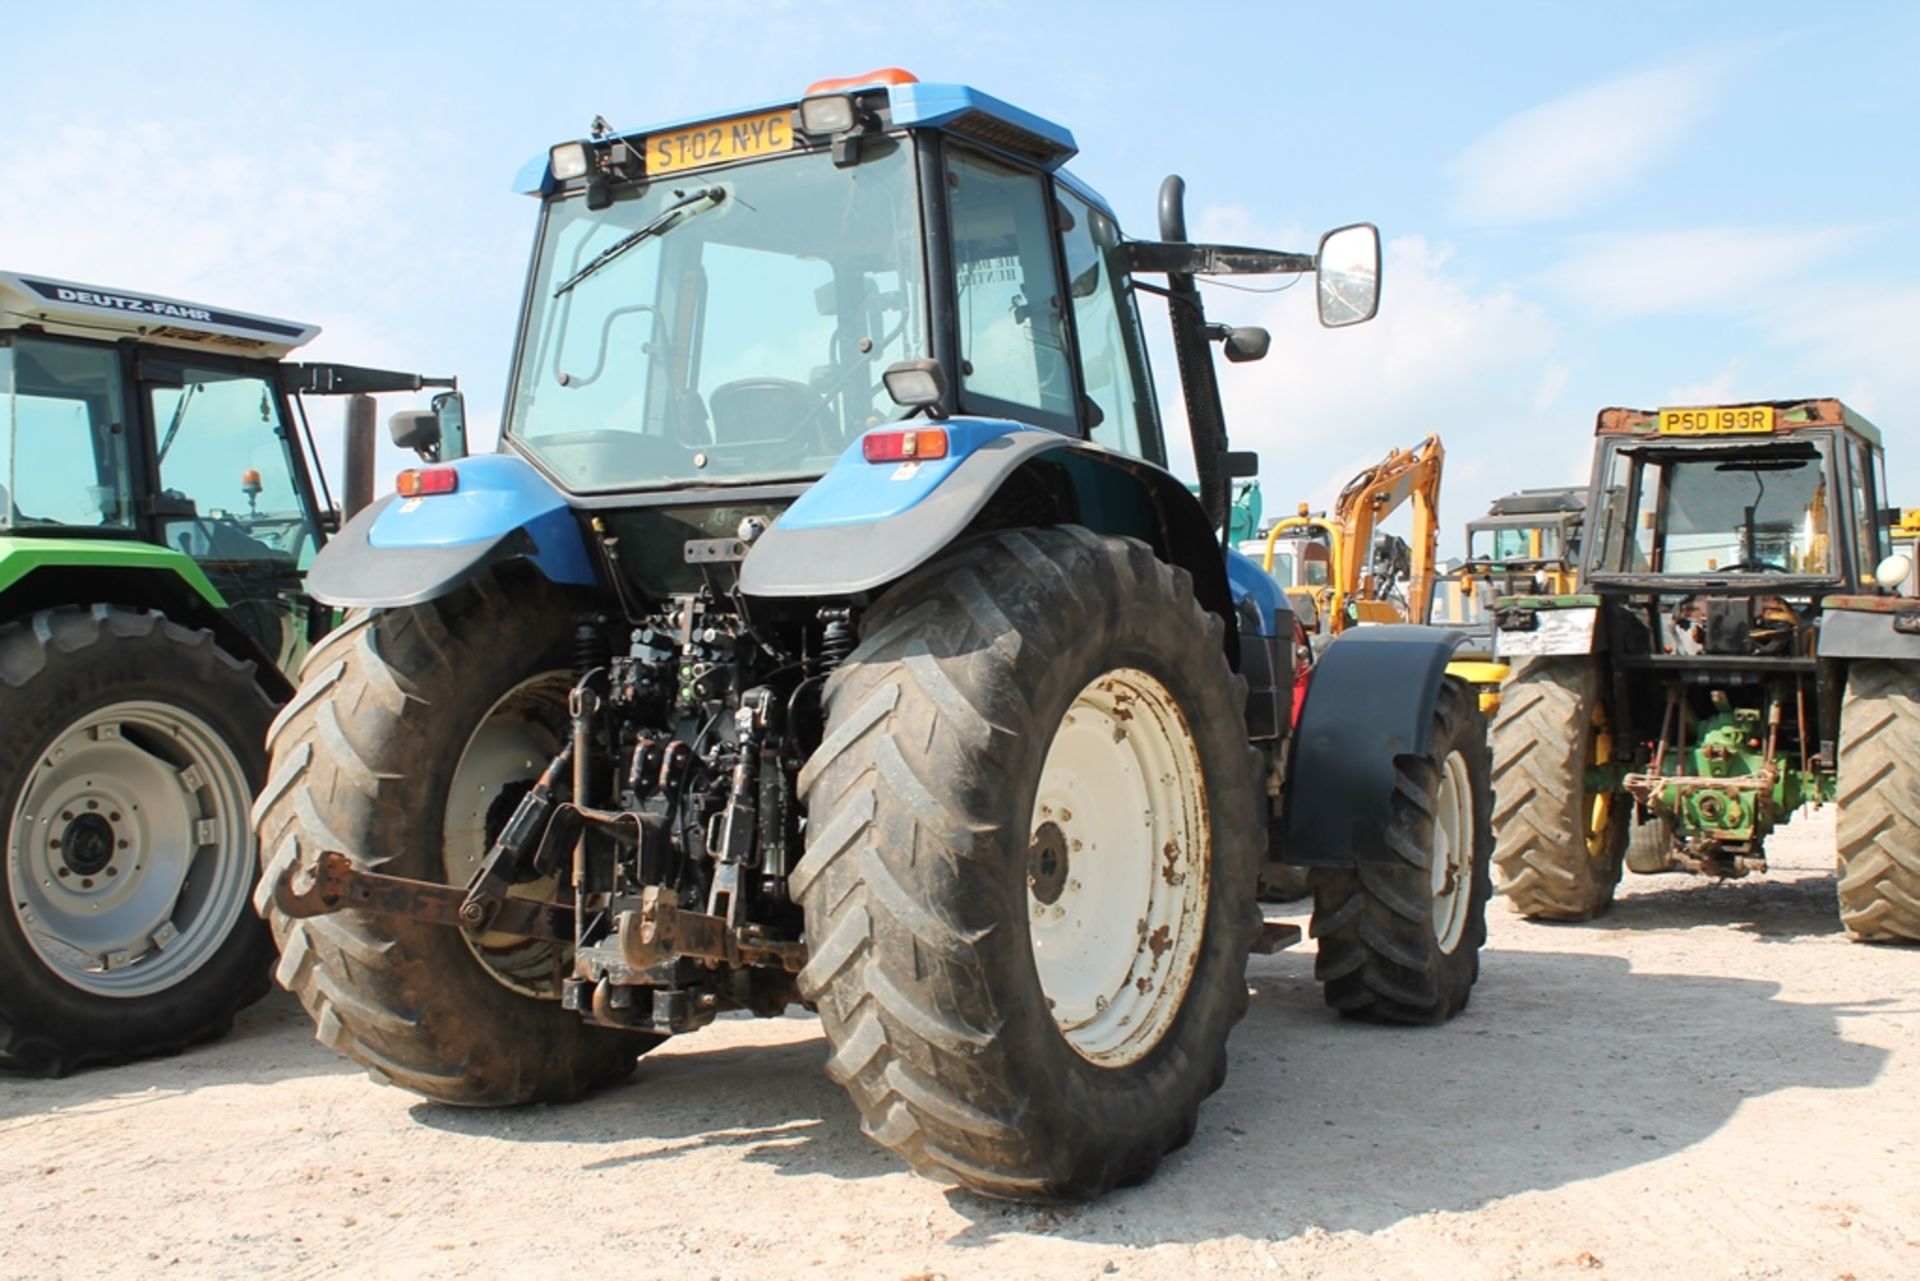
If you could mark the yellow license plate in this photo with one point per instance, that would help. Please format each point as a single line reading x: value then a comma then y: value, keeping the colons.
x: 741, y: 138
x: 1717, y: 420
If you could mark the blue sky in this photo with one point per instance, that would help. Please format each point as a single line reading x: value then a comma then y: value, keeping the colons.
x: 1584, y: 205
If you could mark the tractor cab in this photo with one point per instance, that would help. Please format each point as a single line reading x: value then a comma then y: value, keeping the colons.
x: 1720, y: 530
x: 132, y: 419
x: 720, y: 310
x: 1527, y: 541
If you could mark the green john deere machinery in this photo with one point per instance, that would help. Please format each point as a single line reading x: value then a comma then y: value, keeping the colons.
x: 160, y: 500
x: 1738, y: 647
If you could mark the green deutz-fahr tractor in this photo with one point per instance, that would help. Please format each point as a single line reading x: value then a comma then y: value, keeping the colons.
x: 828, y: 630
x: 1737, y: 649
x: 158, y: 510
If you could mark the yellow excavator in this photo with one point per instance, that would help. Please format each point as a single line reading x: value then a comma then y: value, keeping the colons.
x: 1339, y: 571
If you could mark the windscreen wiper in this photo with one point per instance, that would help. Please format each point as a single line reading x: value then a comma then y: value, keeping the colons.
x: 666, y: 220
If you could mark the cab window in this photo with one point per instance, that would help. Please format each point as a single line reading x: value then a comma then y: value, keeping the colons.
x: 228, y: 491
x: 1106, y: 326
x: 1013, y: 356
x: 63, y: 438
x: 1866, y: 522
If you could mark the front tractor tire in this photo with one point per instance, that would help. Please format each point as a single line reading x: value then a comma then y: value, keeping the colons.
x: 1878, y: 825
x: 1400, y: 940
x: 1034, y: 833
x: 1559, y: 844
x: 412, y: 731
x: 129, y: 751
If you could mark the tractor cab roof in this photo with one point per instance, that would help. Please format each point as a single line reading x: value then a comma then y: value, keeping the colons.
x: 89, y: 311
x: 1746, y: 422
x: 1540, y: 502
x: 880, y: 101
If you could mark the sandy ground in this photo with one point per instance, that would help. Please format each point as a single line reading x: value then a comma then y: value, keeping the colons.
x: 1711, y: 1084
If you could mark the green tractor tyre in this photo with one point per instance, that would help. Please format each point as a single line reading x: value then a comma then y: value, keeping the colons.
x: 1558, y: 844
x: 132, y: 751
x: 1879, y: 803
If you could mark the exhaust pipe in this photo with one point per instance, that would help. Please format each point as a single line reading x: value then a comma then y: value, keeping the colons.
x: 357, y: 489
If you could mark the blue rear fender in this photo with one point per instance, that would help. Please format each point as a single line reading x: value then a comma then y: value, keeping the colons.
x: 865, y: 525
x: 402, y: 551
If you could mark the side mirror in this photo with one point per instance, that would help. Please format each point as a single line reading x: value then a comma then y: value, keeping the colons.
x: 450, y: 409
x: 1242, y: 464
x: 418, y: 430
x: 1347, y: 273
x: 1250, y: 342
x: 438, y: 434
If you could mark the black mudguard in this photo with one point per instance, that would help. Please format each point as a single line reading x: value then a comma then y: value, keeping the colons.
x: 1371, y: 700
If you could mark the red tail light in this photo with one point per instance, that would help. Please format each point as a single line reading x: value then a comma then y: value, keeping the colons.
x: 418, y: 482
x: 918, y: 444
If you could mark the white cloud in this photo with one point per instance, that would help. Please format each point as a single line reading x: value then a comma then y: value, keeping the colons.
x: 1725, y: 387
x: 1552, y: 160
x: 297, y: 222
x: 1553, y: 381
x: 1695, y: 269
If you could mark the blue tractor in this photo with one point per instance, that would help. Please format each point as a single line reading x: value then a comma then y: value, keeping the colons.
x: 828, y: 631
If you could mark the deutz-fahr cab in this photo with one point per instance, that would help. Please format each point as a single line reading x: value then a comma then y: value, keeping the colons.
x: 828, y: 630
x: 160, y: 501
x: 1737, y: 648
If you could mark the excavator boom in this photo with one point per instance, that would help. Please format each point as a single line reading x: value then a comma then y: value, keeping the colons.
x: 1351, y: 593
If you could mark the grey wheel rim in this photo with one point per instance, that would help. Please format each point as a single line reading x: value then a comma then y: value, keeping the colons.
x: 129, y: 855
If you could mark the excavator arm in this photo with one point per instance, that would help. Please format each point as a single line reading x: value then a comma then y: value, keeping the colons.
x: 1367, y: 500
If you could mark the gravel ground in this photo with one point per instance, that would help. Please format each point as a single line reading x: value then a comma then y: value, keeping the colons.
x: 1712, y: 1083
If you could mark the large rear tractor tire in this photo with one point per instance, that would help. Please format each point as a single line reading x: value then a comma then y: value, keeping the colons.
x: 413, y: 733
x: 1034, y: 831
x: 1400, y: 942
x: 129, y: 750
x: 1879, y: 812
x: 1558, y: 845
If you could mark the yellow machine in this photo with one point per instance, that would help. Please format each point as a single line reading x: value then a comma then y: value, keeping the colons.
x: 1906, y: 541
x: 1339, y: 572
x: 1528, y: 542
x: 1337, y: 575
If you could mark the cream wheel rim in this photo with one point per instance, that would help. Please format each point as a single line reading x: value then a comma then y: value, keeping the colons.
x: 1117, y: 870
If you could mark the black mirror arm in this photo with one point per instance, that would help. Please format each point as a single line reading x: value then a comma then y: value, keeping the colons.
x: 1176, y: 258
